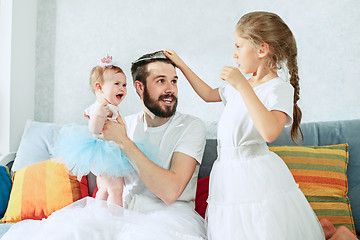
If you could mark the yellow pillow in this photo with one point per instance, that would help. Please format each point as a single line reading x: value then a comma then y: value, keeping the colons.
x: 40, y: 189
x: 321, y: 174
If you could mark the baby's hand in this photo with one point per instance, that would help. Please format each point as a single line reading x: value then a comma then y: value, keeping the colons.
x: 100, y: 97
x: 102, y: 110
x: 233, y: 76
x: 170, y: 54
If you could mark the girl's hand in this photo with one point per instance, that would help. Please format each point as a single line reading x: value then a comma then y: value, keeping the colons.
x: 233, y: 76
x: 170, y: 54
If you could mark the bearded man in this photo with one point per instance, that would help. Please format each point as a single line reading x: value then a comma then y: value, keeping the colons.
x: 168, y: 187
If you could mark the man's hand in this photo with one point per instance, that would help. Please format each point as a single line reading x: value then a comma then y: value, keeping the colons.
x: 115, y: 131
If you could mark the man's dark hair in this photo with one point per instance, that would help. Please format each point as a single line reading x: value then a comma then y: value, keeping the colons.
x: 139, y: 69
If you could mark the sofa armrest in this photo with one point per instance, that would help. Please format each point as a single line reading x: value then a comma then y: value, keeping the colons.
x: 7, y: 158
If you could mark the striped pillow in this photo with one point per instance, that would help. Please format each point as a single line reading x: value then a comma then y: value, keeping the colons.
x: 40, y: 189
x: 321, y: 174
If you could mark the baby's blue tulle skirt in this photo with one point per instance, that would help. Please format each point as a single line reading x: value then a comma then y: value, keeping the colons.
x: 82, y: 153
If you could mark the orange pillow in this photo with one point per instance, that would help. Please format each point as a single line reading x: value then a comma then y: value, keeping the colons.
x: 320, y: 172
x: 41, y: 189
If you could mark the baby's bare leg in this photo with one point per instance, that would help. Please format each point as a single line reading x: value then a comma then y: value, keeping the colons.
x: 102, y: 193
x: 115, y: 190
x: 110, y: 189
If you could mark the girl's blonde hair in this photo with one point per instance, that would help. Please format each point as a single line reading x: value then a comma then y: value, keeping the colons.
x: 97, y: 74
x: 266, y: 27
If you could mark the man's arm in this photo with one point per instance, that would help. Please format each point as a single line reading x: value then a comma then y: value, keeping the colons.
x: 168, y: 185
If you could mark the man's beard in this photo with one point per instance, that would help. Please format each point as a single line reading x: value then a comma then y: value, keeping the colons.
x: 154, y: 105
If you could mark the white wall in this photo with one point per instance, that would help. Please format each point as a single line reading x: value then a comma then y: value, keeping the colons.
x: 5, y: 59
x: 73, y: 34
x: 202, y: 33
x: 45, y: 59
x: 17, y: 69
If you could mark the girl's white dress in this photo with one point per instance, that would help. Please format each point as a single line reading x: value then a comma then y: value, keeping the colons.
x: 252, y: 193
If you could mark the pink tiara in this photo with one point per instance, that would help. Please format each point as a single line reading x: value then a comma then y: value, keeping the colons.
x: 106, y: 61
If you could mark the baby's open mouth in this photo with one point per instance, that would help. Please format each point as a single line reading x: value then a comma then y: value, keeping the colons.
x: 119, y: 96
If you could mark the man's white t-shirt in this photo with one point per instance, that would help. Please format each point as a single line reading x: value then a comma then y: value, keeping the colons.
x: 182, y: 133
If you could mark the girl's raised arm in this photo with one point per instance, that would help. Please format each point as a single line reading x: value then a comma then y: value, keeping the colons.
x: 207, y: 93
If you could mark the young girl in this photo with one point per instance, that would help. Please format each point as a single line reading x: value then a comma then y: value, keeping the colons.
x: 252, y: 193
x: 82, y: 151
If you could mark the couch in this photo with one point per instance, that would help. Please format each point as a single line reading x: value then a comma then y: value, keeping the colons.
x: 315, y: 134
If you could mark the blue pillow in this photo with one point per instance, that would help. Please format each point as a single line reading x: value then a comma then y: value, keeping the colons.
x: 5, y: 189
x: 36, y: 143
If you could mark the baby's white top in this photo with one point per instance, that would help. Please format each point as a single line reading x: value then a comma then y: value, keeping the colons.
x: 92, y: 108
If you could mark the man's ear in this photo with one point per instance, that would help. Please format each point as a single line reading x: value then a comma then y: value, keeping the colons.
x: 140, y: 88
x: 263, y: 50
